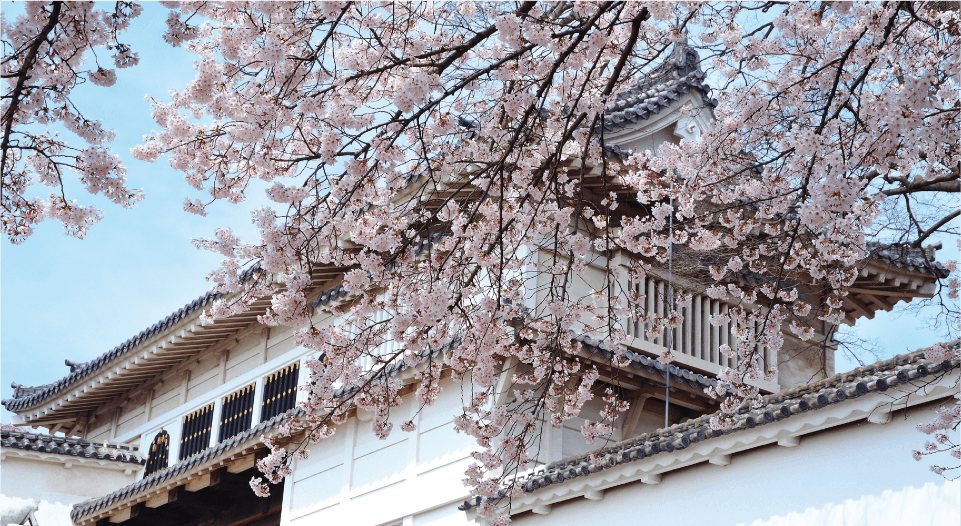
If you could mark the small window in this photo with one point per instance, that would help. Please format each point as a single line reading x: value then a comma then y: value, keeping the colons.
x: 237, y: 412
x: 159, y: 450
x: 280, y: 391
x: 196, y: 431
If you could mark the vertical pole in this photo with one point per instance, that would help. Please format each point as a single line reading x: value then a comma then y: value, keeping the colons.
x: 218, y: 412
x: 258, y: 396
x: 669, y: 306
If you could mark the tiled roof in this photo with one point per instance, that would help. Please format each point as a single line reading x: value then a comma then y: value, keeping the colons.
x: 912, y: 259
x: 86, y: 508
x: 679, y: 375
x: 24, y: 397
x: 73, y: 447
x: 659, y: 89
x: 878, y: 377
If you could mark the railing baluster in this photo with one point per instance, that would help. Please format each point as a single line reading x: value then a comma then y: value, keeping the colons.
x: 725, y: 331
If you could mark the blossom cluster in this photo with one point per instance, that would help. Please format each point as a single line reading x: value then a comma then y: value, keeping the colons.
x: 45, y: 58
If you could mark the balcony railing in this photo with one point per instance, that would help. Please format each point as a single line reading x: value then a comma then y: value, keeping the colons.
x: 696, y: 342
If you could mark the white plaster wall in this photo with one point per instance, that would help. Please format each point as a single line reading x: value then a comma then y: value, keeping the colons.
x: 409, y: 478
x: 856, y: 474
x: 53, y: 488
x: 29, y: 478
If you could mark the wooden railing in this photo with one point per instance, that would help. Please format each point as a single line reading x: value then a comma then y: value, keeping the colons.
x: 159, y: 451
x: 236, y: 412
x: 696, y: 338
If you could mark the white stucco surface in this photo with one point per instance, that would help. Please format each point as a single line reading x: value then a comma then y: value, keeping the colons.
x: 53, y: 484
x: 409, y: 478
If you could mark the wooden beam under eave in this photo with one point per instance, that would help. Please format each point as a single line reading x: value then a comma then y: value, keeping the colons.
x: 47, y: 423
x: 245, y: 317
x: 883, y: 303
x: 199, y: 482
x: 125, y: 514
x: 204, y: 337
x: 633, y: 415
x: 220, y: 332
x: 187, y: 346
x: 868, y: 312
x: 136, y: 377
x: 74, y: 429
x: 893, y: 294
x: 164, y: 497
x: 179, y: 354
x: 126, y: 384
x: 242, y: 464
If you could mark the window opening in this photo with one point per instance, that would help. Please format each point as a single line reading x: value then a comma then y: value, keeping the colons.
x: 196, y: 431
x: 237, y: 412
x: 159, y: 451
x: 280, y: 391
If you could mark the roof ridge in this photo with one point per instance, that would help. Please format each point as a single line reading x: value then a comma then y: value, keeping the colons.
x: 659, y: 88
x: 70, y: 446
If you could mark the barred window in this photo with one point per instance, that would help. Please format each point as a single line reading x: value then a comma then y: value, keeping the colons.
x: 280, y: 391
x: 159, y: 450
x: 196, y: 431
x: 237, y: 412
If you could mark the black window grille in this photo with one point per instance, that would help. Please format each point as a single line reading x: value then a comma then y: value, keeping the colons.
x: 237, y: 412
x: 196, y: 431
x: 159, y: 451
x: 280, y: 391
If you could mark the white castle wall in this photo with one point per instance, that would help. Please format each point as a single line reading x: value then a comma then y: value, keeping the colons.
x: 409, y: 478
x: 54, y: 483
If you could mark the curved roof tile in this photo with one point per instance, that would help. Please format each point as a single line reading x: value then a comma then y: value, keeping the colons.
x: 17, y: 438
x: 660, y: 88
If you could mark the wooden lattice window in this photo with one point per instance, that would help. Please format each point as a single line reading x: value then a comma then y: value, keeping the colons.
x: 280, y: 391
x: 159, y: 451
x: 237, y: 412
x: 196, y: 431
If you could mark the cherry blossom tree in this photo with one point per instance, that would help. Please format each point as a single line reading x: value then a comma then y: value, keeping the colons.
x: 425, y: 148
x: 45, y: 53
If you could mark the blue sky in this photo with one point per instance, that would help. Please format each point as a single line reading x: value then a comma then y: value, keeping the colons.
x: 62, y: 298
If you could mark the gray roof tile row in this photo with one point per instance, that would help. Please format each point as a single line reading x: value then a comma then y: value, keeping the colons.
x: 73, y: 447
x: 660, y: 88
x: 638, y: 361
x: 912, y: 259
